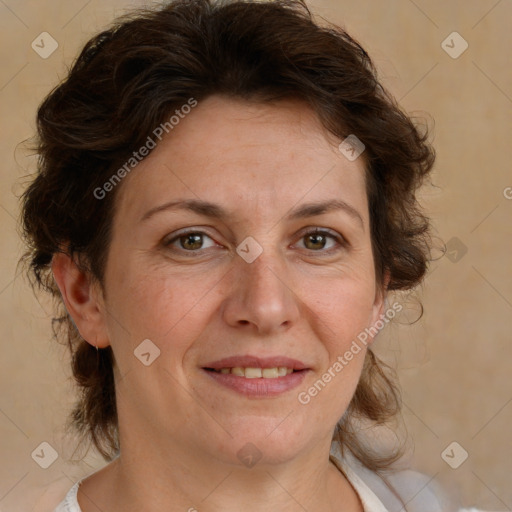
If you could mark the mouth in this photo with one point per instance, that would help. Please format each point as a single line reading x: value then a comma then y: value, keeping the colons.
x: 257, y: 377
x: 255, y: 372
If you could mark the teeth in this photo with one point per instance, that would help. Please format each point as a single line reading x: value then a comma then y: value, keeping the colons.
x: 237, y: 371
x: 270, y: 373
x: 253, y: 373
x: 257, y: 373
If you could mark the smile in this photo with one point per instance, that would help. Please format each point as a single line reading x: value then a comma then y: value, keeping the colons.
x: 256, y: 373
x: 254, y: 382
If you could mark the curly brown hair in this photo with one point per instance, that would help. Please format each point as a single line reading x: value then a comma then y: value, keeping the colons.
x: 129, y: 78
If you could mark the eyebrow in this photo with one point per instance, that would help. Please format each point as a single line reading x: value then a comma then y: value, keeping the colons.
x: 215, y: 211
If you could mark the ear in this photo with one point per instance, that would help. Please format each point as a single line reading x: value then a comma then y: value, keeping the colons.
x: 380, y: 304
x: 82, y: 298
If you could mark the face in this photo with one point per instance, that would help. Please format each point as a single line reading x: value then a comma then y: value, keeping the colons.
x: 246, y: 283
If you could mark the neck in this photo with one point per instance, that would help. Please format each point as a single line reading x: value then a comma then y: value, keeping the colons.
x: 181, y: 480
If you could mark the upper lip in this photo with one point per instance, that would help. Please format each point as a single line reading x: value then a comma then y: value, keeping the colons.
x: 248, y: 361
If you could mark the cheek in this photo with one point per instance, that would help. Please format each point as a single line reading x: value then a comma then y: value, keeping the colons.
x: 343, y: 312
x: 343, y: 316
x: 344, y: 307
x: 149, y: 303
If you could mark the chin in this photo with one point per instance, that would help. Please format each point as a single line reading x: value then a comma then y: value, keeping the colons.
x: 264, y: 441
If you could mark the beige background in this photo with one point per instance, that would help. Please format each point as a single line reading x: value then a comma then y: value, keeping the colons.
x: 454, y: 365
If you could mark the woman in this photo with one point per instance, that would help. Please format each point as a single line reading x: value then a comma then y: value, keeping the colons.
x: 225, y: 197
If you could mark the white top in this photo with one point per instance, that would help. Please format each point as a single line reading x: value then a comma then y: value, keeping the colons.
x: 407, y: 485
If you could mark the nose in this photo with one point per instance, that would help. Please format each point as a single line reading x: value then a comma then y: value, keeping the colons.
x: 262, y: 299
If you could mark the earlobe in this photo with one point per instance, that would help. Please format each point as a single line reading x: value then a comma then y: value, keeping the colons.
x: 384, y: 293
x: 81, y: 299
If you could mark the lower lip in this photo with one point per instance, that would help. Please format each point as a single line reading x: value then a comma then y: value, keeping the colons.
x: 258, y: 387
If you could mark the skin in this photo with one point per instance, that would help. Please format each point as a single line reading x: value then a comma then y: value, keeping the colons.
x: 180, y: 433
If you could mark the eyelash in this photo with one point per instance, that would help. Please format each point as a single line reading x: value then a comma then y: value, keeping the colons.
x: 342, y: 243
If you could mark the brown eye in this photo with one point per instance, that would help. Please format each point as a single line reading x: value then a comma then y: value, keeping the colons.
x: 191, y: 241
x: 322, y: 241
x: 316, y: 241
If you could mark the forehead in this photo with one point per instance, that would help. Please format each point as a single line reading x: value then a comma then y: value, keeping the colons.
x: 261, y: 155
